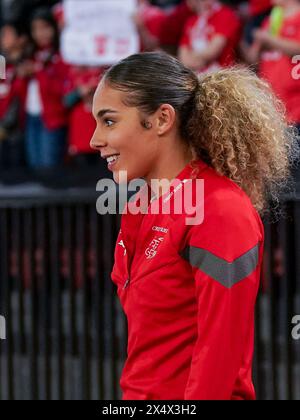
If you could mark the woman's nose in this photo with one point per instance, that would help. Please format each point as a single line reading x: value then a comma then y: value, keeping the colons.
x: 96, y: 142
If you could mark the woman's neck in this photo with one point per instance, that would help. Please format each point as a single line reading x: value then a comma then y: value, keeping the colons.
x: 167, y: 168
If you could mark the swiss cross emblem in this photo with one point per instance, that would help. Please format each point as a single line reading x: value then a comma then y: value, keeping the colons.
x: 151, y: 251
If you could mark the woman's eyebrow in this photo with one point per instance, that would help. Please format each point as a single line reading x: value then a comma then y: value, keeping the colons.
x: 102, y: 112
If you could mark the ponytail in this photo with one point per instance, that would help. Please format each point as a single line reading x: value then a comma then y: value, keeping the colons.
x: 239, y: 128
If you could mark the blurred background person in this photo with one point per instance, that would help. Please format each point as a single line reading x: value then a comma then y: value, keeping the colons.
x: 84, y: 81
x: 149, y: 20
x: 276, y: 43
x: 258, y: 10
x: 210, y: 37
x: 173, y: 26
x: 47, y: 80
x: 14, y: 47
x: 276, y: 46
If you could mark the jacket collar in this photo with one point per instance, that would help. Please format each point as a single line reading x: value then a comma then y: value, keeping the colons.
x: 131, y: 223
x: 191, y: 171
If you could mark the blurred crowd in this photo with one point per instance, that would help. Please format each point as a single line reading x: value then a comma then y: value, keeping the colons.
x: 45, y: 103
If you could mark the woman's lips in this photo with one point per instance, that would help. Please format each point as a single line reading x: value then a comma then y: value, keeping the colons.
x: 113, y: 163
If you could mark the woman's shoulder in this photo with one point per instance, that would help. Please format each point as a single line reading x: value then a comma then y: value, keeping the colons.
x: 230, y: 224
x: 225, y: 198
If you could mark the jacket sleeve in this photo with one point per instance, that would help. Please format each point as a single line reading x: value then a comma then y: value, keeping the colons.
x: 224, y: 254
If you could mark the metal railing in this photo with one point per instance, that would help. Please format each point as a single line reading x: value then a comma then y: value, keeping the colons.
x: 65, y: 331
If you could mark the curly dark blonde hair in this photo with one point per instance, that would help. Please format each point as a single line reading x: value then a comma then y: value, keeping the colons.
x: 239, y: 127
x: 229, y: 118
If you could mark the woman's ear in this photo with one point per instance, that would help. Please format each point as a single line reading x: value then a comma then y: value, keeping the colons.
x: 166, y: 118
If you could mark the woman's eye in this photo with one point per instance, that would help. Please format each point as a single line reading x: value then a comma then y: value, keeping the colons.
x: 108, y: 122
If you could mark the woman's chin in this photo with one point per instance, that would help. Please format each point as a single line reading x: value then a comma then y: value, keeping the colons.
x: 124, y: 177
x: 121, y: 177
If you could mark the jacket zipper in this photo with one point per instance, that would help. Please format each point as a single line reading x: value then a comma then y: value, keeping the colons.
x: 126, y: 283
x: 128, y: 279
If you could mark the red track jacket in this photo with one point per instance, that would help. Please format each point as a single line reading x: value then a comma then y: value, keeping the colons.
x: 189, y: 293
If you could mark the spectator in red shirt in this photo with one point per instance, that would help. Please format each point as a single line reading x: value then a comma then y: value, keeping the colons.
x: 14, y: 41
x: 173, y: 27
x: 84, y: 81
x: 275, y: 53
x: 210, y: 37
x: 149, y: 20
x: 47, y: 77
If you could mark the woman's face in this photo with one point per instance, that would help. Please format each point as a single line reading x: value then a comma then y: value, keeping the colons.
x: 119, y: 133
x: 9, y: 39
x: 42, y: 33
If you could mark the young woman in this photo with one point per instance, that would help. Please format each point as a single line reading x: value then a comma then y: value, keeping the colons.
x: 189, y: 290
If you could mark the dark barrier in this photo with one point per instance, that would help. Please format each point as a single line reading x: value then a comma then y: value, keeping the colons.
x: 277, y: 357
x: 65, y: 331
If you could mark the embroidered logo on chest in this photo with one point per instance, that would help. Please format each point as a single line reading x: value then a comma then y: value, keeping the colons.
x: 121, y: 243
x: 151, y: 251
